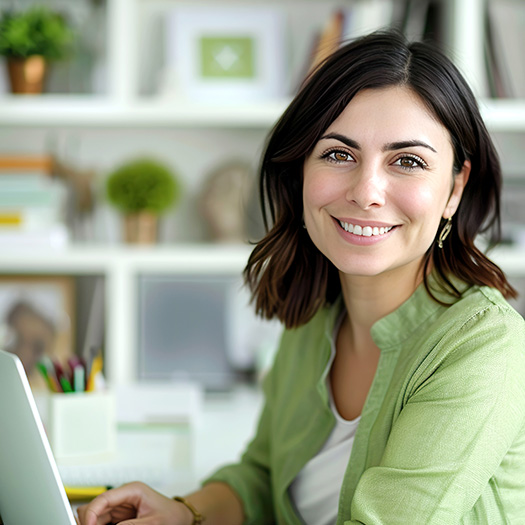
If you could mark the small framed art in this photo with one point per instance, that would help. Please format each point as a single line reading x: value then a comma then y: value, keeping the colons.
x: 225, y: 53
x: 37, y: 320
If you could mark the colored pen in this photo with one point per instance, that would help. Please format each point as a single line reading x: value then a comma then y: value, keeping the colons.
x: 49, y: 380
x: 59, y: 371
x: 51, y: 372
x: 66, y: 385
x: 96, y: 368
x: 73, y: 362
x: 79, y: 378
x: 76, y: 493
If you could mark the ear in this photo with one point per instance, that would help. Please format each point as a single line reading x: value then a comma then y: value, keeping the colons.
x: 460, y: 181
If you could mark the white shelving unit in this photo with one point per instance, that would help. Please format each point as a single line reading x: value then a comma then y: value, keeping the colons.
x: 86, y: 111
x: 121, y: 267
x: 124, y: 107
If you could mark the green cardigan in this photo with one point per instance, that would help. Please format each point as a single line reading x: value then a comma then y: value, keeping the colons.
x: 442, y: 434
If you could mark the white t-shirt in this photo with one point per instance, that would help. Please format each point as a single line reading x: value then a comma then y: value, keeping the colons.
x: 315, y: 490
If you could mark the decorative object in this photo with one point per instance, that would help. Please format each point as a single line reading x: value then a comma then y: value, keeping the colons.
x: 444, y: 232
x: 37, y: 320
x: 28, y: 40
x: 197, y: 516
x: 225, y: 53
x: 142, y: 189
x: 223, y: 201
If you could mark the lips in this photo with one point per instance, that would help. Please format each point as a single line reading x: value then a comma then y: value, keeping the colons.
x: 364, y: 230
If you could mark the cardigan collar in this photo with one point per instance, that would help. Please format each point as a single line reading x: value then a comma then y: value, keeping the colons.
x: 393, y: 329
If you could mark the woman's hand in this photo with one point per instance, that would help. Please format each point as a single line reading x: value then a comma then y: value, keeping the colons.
x: 134, y: 504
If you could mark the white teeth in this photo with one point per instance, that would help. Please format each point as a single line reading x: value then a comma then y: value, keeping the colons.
x: 365, y: 231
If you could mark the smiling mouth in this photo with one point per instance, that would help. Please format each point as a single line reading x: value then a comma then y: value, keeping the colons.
x: 364, y: 231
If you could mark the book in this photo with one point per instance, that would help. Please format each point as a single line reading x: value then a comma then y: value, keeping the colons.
x: 55, y: 236
x: 328, y: 40
x: 506, y: 21
x: 31, y: 202
x: 345, y: 24
x: 26, y: 163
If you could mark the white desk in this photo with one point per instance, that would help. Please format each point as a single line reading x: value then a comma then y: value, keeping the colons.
x: 174, y: 457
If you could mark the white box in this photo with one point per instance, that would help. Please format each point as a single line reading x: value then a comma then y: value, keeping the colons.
x: 81, y: 427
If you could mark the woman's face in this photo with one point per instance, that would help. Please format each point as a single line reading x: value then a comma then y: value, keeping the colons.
x: 378, y: 183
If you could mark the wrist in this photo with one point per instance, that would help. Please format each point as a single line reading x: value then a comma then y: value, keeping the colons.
x: 196, y: 517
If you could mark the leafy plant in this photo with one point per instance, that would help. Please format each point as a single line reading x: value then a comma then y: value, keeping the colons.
x: 35, y: 31
x: 143, y: 185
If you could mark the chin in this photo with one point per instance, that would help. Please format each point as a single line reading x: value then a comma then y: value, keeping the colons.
x: 359, y: 269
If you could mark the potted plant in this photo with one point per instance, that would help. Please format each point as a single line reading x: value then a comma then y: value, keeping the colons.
x: 142, y: 189
x: 28, y: 40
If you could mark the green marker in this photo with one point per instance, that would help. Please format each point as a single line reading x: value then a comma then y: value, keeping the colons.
x: 66, y: 385
x: 43, y: 370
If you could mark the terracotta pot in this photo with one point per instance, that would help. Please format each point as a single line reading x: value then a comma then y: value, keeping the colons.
x: 27, y: 74
x: 141, y: 228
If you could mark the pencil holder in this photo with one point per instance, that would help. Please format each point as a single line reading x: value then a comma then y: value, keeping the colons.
x: 81, y: 427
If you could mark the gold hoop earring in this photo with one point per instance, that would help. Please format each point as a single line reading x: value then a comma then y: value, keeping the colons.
x: 444, y: 232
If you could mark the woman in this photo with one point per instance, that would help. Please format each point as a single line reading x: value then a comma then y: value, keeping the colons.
x: 398, y: 393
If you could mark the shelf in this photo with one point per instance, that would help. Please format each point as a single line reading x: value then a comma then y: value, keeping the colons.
x: 503, y: 114
x: 93, y: 111
x: 187, y: 258
x: 86, y: 111
x: 190, y: 258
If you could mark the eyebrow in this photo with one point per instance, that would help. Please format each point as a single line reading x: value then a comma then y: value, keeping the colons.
x: 391, y: 146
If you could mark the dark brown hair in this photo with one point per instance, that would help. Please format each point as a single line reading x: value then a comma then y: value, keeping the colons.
x: 288, y: 276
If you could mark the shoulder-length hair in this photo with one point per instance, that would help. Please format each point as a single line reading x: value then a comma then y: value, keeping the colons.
x: 288, y: 276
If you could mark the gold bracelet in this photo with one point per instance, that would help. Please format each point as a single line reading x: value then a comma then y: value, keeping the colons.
x: 197, y: 516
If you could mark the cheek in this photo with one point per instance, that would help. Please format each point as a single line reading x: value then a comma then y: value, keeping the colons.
x: 319, y: 190
x: 423, y: 204
x: 417, y: 200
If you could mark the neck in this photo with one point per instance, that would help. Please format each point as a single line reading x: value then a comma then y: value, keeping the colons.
x: 368, y: 299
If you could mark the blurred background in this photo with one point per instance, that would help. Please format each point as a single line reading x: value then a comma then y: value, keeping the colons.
x: 130, y: 135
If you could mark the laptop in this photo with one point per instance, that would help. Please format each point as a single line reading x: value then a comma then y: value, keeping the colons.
x: 31, y: 491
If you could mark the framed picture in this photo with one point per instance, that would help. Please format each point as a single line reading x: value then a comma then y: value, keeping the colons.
x: 226, y: 53
x: 37, y: 320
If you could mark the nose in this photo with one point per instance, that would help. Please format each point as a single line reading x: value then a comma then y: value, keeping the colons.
x: 366, y: 187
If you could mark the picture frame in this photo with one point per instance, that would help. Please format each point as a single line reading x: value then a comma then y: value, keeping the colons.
x: 37, y: 320
x: 226, y: 54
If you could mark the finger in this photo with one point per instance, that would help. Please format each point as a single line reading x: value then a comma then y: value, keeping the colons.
x: 123, y: 513
x: 117, y: 514
x: 91, y: 518
x: 128, y: 496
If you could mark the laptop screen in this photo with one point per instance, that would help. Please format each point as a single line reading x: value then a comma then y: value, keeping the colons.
x: 30, y: 487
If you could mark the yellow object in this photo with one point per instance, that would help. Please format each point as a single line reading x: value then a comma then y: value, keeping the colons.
x: 10, y: 219
x: 96, y: 368
x: 76, y: 493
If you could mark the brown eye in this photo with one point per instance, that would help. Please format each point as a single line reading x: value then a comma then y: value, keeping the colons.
x: 407, y: 162
x: 337, y: 156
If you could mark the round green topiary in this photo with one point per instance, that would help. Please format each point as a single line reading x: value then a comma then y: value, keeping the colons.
x: 143, y: 185
x: 35, y: 31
